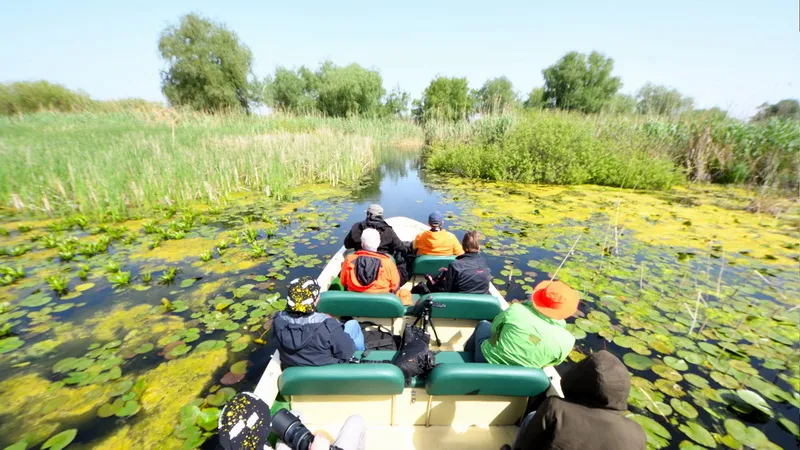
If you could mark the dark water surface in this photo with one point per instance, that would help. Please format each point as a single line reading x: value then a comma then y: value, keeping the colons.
x: 178, y: 341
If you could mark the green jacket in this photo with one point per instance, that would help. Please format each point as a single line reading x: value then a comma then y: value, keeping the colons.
x: 521, y: 336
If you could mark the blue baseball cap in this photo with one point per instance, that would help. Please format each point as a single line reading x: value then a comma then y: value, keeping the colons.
x: 436, y: 219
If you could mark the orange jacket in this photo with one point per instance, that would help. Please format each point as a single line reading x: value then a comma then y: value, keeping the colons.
x: 437, y: 243
x: 375, y: 273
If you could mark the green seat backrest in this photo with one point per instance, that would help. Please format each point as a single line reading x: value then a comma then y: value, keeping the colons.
x: 419, y: 382
x: 356, y: 304
x: 464, y: 306
x: 486, y: 379
x: 342, y: 379
x: 425, y: 264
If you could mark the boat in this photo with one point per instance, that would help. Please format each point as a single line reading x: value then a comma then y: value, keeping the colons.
x: 460, y: 404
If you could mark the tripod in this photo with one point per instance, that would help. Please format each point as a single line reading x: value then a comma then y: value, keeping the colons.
x: 425, y: 315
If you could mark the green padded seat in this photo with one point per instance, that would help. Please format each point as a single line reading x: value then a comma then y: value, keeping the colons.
x: 356, y: 304
x: 462, y: 306
x: 429, y: 265
x: 342, y: 379
x: 419, y: 382
x: 486, y: 379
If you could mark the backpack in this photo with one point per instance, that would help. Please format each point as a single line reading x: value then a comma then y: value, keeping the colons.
x: 378, y: 337
x: 415, y: 357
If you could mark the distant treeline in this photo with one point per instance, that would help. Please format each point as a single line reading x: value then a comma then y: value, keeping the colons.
x: 32, y: 96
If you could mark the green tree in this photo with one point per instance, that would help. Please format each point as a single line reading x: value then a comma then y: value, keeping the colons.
x: 535, y: 99
x: 660, y: 100
x: 495, y: 96
x: 579, y: 82
x: 444, y: 99
x: 396, y: 103
x: 291, y: 91
x: 208, y: 68
x: 349, y: 91
x: 620, y: 104
x: 784, y: 109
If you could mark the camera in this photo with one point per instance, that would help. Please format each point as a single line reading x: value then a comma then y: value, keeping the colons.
x: 246, y: 423
x: 291, y: 431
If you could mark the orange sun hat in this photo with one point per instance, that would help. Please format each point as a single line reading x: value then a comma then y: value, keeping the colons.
x: 555, y: 299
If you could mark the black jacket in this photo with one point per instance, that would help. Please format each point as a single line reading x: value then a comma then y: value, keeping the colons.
x: 590, y: 416
x: 468, y: 274
x: 311, y: 340
x: 390, y: 243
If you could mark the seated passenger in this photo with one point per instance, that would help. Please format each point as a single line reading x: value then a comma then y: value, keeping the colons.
x: 306, y: 337
x: 530, y: 334
x: 469, y: 273
x: 367, y: 270
x: 389, y: 242
x: 591, y: 413
x: 436, y: 241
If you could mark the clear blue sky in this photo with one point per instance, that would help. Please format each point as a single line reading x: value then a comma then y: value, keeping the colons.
x: 735, y: 54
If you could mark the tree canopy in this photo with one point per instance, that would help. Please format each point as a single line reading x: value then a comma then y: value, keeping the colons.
x: 660, y: 100
x: 784, y: 109
x: 208, y: 67
x: 396, y: 103
x: 444, y: 99
x: 495, y: 96
x: 332, y: 90
x: 579, y: 82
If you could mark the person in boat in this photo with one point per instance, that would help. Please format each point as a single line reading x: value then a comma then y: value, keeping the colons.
x: 306, y: 337
x: 468, y: 274
x: 390, y: 242
x: 531, y: 333
x: 367, y: 270
x: 591, y: 413
x: 436, y: 241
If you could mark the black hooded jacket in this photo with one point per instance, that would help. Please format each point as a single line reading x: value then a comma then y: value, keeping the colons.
x: 468, y: 274
x: 390, y: 243
x: 315, y: 339
x: 590, y: 414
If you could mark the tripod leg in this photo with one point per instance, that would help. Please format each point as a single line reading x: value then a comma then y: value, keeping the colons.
x: 436, y: 335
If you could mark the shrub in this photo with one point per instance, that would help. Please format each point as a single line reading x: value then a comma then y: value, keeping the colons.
x: 31, y: 96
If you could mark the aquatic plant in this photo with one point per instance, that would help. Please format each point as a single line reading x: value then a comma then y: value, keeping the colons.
x: 90, y: 249
x: 19, y: 250
x: 258, y: 250
x: 9, y: 275
x: 151, y: 227
x: 78, y: 221
x: 111, y: 267
x: 50, y: 241
x: 168, y: 276
x: 23, y: 228
x: 119, y: 278
x: 250, y: 235
x: 58, y: 284
x: 206, y: 256
x: 147, y: 277
x: 3, y: 232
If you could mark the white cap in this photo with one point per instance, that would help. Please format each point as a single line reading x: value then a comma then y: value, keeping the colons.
x: 370, y: 239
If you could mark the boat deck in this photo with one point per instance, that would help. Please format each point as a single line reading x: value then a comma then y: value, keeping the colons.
x: 434, y: 437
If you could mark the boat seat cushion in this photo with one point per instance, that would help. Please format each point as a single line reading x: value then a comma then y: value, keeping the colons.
x: 486, y: 379
x: 357, y: 304
x: 342, y: 379
x: 462, y: 306
x: 419, y: 382
x: 429, y: 265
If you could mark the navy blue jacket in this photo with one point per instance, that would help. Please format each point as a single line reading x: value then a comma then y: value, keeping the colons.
x: 468, y: 274
x: 311, y: 340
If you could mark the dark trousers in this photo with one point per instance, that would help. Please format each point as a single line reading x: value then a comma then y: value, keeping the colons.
x: 483, y: 331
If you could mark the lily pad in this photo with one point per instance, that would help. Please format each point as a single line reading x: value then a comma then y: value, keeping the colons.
x: 676, y: 363
x: 231, y: 378
x: 789, y: 426
x: 60, y: 440
x: 188, y: 282
x: 694, y: 358
x: 120, y: 388
x: 641, y: 349
x: 84, y: 287
x: 699, y: 434
x: 130, y: 408
x: 725, y: 380
x: 587, y: 325
x: 38, y: 299
x: 177, y: 351
x: 637, y: 362
x: 657, y: 435
x: 749, y: 436
x: 209, y: 345
x: 106, y: 410
x: 659, y: 408
x: 709, y: 348
x: 10, y: 343
x: 144, y: 348
x: 669, y: 388
x: 21, y: 445
x: 667, y: 372
x: 683, y: 408
x: 240, y: 368
x: 696, y: 380
x: 208, y: 418
x: 755, y: 400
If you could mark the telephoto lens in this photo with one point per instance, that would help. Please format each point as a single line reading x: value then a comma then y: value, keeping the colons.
x: 291, y: 431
